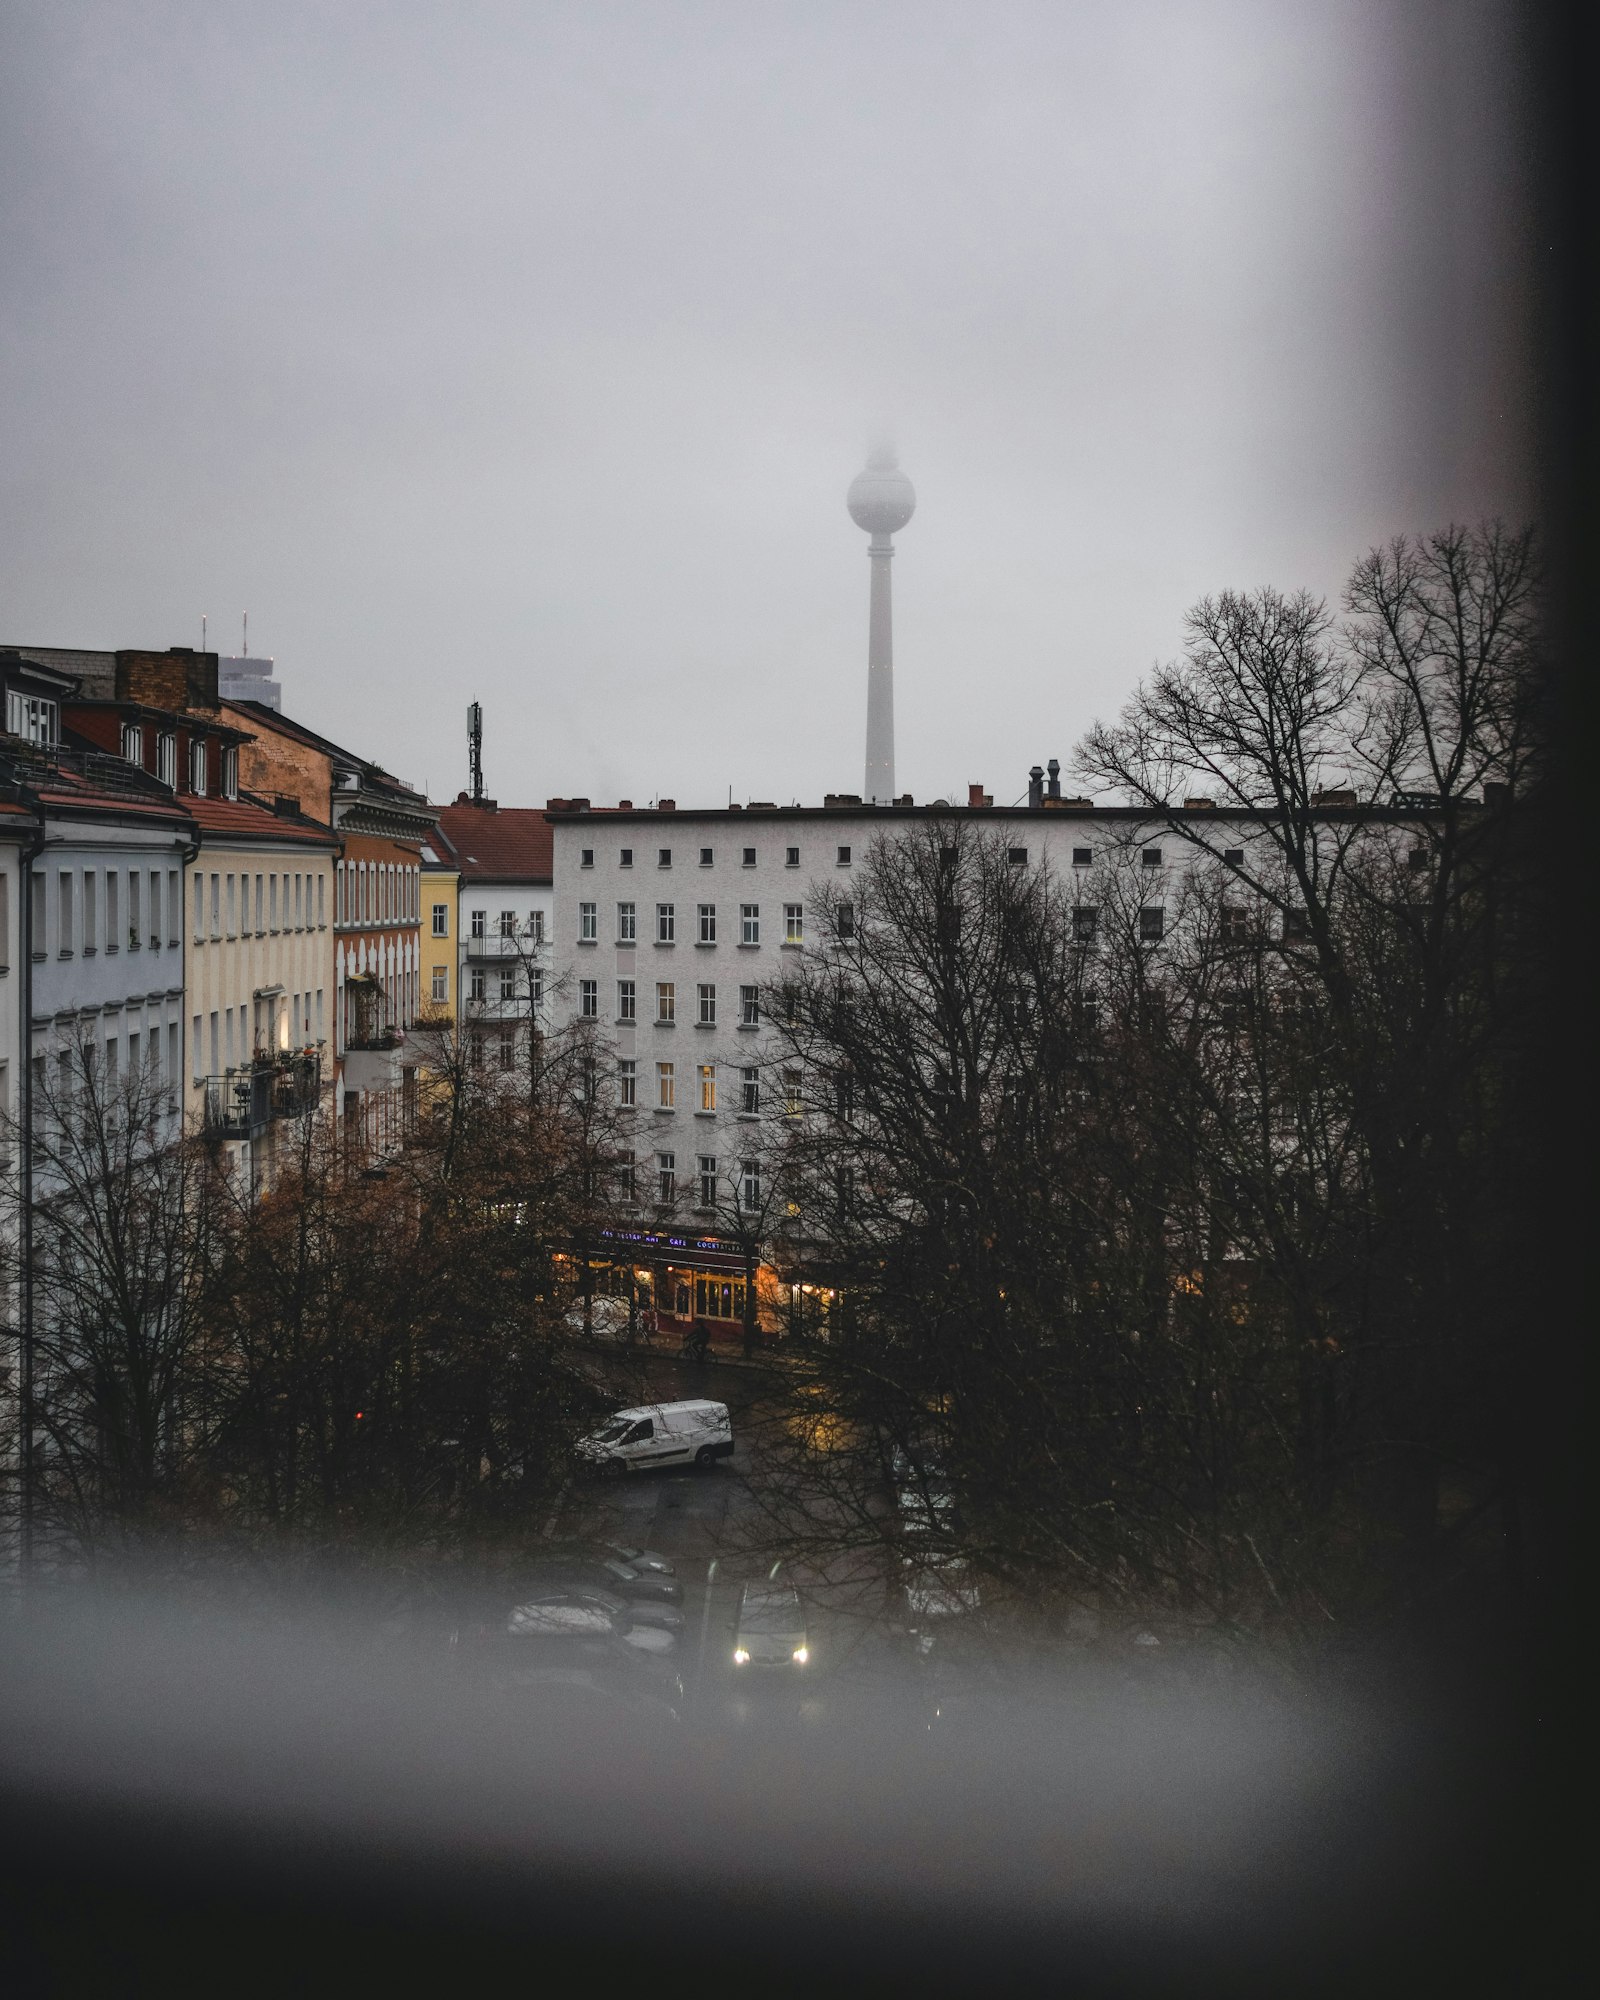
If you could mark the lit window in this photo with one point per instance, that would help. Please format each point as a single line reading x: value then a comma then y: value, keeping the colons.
x: 750, y: 1094
x: 666, y: 1088
x: 708, y: 1006
x: 588, y: 923
x: 792, y: 916
x: 750, y: 923
x: 627, y: 1082
x: 666, y: 923
x: 666, y: 1001
x: 708, y: 923
x: 589, y: 999
x: 627, y: 1000
x: 750, y: 1006
x: 708, y: 1086
x: 708, y: 1180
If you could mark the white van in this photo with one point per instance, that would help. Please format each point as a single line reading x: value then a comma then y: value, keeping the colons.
x: 696, y: 1433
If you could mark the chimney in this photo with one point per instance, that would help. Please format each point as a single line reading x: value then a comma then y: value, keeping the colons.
x: 662, y: 805
x: 977, y: 796
x: 1036, y: 787
x: 1054, y: 768
x: 624, y: 805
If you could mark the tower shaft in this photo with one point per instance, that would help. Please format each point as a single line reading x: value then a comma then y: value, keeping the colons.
x: 878, y: 787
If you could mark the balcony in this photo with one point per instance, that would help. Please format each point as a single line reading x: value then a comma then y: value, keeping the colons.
x: 242, y: 1103
x: 480, y: 948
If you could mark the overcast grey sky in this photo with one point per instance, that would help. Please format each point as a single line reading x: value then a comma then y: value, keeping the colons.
x: 524, y: 352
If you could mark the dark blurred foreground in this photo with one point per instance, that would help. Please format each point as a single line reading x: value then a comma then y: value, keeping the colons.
x: 269, y: 1805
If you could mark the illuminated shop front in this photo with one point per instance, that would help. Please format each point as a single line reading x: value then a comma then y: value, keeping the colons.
x: 689, y: 1280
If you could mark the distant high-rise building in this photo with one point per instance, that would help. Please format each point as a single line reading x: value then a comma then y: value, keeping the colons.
x: 881, y: 501
x: 242, y: 678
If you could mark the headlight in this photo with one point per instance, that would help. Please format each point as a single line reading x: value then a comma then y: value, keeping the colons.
x: 741, y: 1656
x: 801, y: 1655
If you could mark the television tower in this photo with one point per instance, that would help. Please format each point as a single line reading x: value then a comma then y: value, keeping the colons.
x: 880, y: 500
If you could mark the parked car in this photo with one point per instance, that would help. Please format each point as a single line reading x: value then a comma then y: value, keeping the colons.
x: 645, y: 1559
x: 606, y: 1316
x: 620, y: 1578
x: 770, y: 1630
x: 658, y: 1434
x: 623, y: 1613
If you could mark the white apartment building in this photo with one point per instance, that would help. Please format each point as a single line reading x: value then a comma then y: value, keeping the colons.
x: 503, y: 922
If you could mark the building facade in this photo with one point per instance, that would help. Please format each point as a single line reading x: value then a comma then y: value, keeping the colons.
x: 504, y: 924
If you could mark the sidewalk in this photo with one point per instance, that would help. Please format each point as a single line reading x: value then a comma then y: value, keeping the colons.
x: 777, y: 1354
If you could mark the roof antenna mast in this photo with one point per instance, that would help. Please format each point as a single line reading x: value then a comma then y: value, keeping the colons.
x: 475, y: 750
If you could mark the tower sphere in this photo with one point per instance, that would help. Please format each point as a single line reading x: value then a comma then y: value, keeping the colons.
x: 881, y: 499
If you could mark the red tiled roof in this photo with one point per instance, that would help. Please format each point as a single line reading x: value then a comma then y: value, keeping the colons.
x: 499, y: 844
x: 254, y: 821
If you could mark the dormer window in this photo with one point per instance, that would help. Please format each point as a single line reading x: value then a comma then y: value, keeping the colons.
x: 33, y: 717
x: 167, y: 759
x: 197, y: 767
x: 133, y: 743
x: 230, y: 771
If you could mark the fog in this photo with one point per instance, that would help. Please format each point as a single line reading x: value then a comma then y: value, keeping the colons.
x: 525, y: 352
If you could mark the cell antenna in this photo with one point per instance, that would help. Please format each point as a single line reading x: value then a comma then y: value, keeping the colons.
x: 244, y: 650
x: 475, y: 749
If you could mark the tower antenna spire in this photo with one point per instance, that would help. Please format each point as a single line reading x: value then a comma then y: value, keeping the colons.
x: 881, y: 500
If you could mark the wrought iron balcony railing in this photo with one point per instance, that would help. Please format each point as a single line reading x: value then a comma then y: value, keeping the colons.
x: 242, y: 1103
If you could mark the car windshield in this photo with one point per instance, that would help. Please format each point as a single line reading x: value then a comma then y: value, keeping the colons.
x: 771, y: 1614
x: 610, y: 1433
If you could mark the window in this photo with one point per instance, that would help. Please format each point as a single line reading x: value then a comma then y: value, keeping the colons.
x: 508, y: 983
x: 1296, y: 927
x: 230, y: 772
x: 588, y: 923
x: 1085, y: 921
x: 91, y: 914
x: 197, y: 768
x: 844, y: 857
x: 793, y: 1101
x: 749, y: 923
x: 228, y: 920
x: 750, y: 1092
x: 706, y: 857
x: 749, y: 857
x: 1082, y: 856
x: 1417, y: 859
x: 749, y: 1006
x: 507, y: 926
x: 844, y: 1096
x: 666, y: 1002
x: 478, y: 923
x: 666, y: 1089
x: 586, y: 858
x: 627, y: 924
x: 272, y: 902
x: 135, y: 928
x: 627, y: 1082
x: 624, y: 857
x: 536, y: 926
x: 40, y: 915
x: 1152, y: 923
x: 167, y: 759
x: 1017, y: 856
x: 66, y: 936
x: 791, y: 857
x: 708, y: 1086
x: 536, y: 989
x: 627, y: 1000
x: 844, y: 920
x: 508, y: 1048
x: 589, y: 999
x: 627, y: 1178
x: 666, y: 1178
x: 1151, y: 857
x: 666, y: 923
x: 1235, y: 924
x: 175, y: 907
x: 133, y: 743
x: 441, y: 919
x: 750, y: 1186
x: 663, y: 857
x: 31, y: 717
x: 708, y: 923
x: 441, y: 984
x: 260, y: 906
x: 708, y: 1180
x: 477, y: 984
x: 708, y: 1006
x: 792, y: 915
x: 1233, y: 856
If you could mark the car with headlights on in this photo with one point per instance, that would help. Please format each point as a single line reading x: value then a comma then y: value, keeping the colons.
x: 770, y: 1629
